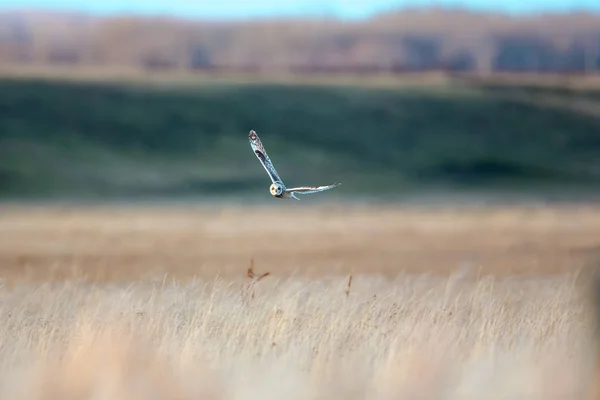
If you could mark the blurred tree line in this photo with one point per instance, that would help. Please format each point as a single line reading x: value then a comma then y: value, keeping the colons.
x: 408, y: 40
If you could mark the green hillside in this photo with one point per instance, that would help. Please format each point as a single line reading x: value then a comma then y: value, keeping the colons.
x: 60, y: 139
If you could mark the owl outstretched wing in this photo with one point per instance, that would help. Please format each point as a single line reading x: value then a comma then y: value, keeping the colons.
x: 311, y: 189
x: 261, y: 154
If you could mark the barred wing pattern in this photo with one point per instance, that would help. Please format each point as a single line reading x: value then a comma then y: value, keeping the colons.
x: 278, y: 189
x: 311, y: 189
x: 261, y: 154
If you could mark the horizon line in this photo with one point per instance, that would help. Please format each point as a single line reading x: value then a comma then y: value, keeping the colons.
x: 282, y: 15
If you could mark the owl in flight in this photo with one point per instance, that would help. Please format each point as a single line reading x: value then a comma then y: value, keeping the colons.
x: 277, y: 188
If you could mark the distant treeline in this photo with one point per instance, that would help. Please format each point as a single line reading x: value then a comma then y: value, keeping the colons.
x: 408, y: 40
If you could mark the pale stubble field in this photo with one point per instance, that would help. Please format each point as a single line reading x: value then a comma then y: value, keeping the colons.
x: 149, y: 302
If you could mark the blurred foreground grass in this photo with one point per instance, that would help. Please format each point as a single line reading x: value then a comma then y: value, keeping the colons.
x: 61, y: 139
x: 457, y: 302
x: 415, y: 337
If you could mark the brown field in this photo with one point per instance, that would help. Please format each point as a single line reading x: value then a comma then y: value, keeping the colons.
x: 129, y: 243
x: 120, y: 74
x: 138, y: 75
x: 154, y: 302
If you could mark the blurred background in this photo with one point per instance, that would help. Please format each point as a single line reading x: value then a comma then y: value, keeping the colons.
x: 395, y: 99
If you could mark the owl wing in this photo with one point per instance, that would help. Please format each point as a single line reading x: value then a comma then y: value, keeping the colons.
x: 261, y: 154
x: 311, y: 189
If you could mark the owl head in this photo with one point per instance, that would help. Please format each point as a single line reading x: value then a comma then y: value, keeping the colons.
x: 276, y: 189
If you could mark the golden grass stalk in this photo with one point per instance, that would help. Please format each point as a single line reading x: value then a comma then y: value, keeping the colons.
x: 248, y: 288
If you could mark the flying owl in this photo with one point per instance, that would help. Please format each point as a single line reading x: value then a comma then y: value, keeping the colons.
x: 277, y: 188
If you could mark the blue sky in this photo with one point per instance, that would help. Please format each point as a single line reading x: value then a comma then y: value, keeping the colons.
x: 225, y: 9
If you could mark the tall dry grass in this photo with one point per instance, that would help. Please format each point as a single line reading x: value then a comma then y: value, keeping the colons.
x: 359, y: 303
x: 416, y: 337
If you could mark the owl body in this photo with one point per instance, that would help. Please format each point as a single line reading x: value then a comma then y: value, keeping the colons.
x: 277, y: 188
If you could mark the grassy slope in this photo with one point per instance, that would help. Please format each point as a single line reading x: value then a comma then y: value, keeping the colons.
x: 100, y: 139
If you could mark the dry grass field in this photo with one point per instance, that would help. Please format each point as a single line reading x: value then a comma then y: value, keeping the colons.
x: 150, y: 302
x: 575, y: 82
x: 186, y: 78
x: 133, y: 242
